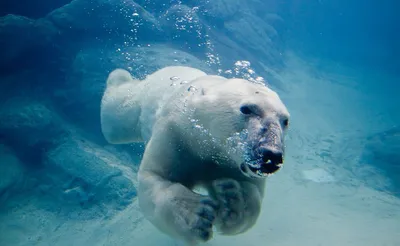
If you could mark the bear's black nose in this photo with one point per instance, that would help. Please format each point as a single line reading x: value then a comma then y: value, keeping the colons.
x: 272, y: 156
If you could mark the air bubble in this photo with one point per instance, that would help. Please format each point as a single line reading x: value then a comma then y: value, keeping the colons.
x: 198, y: 126
x: 260, y: 79
x: 228, y: 71
x: 192, y: 88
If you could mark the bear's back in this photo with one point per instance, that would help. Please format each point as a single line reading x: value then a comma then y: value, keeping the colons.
x: 161, y: 87
x: 129, y: 107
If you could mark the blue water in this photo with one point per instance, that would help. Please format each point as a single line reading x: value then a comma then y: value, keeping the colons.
x: 334, y: 64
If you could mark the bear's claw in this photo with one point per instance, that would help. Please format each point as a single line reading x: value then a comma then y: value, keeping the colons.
x: 207, y: 213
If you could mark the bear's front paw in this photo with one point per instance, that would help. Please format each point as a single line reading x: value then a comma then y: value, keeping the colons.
x: 195, y: 219
x: 229, y: 194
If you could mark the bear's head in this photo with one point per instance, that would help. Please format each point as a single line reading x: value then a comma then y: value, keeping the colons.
x: 250, y: 121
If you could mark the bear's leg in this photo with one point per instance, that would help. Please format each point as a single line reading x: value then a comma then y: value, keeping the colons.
x: 239, y: 205
x: 176, y: 210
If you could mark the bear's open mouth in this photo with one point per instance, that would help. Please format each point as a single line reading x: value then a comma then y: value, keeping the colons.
x: 260, y: 168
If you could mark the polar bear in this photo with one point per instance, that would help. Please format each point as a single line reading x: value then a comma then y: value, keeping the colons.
x: 224, y: 135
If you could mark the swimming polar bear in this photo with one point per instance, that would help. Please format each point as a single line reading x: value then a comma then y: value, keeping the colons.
x: 225, y: 135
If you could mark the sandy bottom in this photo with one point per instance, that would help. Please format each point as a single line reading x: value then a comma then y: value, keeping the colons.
x: 314, y: 200
x: 294, y: 213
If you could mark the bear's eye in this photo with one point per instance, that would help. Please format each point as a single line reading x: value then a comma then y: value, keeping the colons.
x: 285, y: 122
x: 250, y: 108
x: 245, y: 109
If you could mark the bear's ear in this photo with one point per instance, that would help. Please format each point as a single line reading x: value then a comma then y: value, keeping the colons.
x: 118, y: 77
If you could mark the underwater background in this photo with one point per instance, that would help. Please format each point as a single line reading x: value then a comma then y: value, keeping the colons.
x: 334, y: 63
